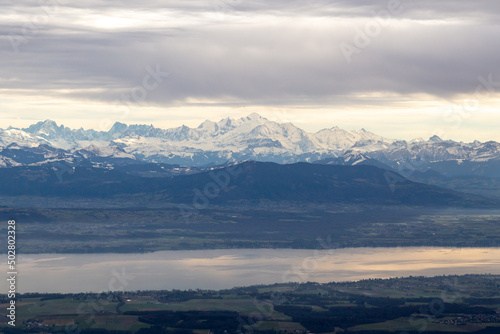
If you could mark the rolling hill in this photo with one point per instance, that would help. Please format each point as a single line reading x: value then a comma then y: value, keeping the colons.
x: 248, y: 182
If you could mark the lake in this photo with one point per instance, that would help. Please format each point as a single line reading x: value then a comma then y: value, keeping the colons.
x: 219, y: 269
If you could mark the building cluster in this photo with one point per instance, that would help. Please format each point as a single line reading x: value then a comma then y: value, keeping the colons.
x: 471, y: 319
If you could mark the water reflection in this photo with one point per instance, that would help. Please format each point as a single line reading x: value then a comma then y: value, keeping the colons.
x: 218, y: 269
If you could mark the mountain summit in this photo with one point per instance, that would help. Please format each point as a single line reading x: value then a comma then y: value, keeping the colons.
x: 47, y: 129
x: 252, y: 137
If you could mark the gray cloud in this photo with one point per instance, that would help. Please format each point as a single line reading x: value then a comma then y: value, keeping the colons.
x: 249, y: 52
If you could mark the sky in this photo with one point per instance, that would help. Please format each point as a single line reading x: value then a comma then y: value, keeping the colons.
x: 400, y: 68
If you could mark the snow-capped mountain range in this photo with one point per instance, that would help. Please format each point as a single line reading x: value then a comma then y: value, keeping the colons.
x: 212, y: 143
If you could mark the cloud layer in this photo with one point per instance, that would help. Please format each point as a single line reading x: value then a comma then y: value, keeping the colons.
x: 241, y: 53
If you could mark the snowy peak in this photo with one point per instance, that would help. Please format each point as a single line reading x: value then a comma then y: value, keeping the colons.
x: 254, y: 117
x: 20, y: 137
x: 336, y: 138
x: 353, y: 158
x: 46, y: 129
x: 252, y: 137
x: 105, y: 151
x: 435, y: 139
x: 208, y: 126
x: 117, y: 130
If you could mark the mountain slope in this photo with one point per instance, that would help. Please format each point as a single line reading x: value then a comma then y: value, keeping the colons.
x: 250, y: 182
x: 353, y: 158
x: 304, y: 182
x: 248, y: 138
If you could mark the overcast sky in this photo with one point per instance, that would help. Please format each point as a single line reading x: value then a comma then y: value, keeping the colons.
x: 402, y: 69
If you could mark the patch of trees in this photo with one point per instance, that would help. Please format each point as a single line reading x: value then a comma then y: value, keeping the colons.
x: 217, y: 321
x: 482, y: 301
x: 345, y: 317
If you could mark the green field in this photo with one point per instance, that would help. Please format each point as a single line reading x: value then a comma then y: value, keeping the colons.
x: 447, y: 304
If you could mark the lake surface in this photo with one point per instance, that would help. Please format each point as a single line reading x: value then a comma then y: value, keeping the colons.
x: 219, y: 269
